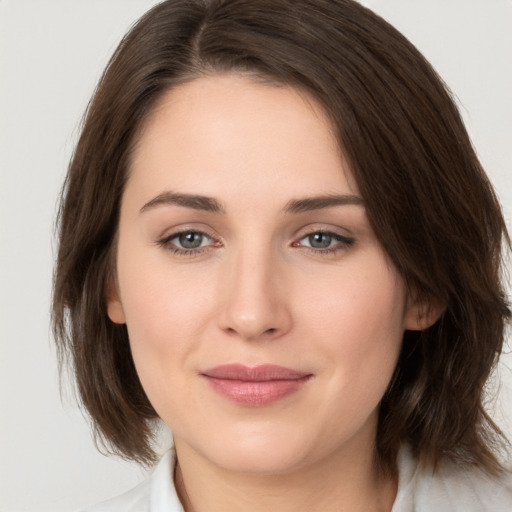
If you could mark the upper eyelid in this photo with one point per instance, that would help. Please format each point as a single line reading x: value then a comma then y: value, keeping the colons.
x: 336, y: 231
x: 174, y: 233
x: 327, y: 231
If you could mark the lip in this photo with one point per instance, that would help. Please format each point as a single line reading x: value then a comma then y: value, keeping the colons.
x: 255, y: 386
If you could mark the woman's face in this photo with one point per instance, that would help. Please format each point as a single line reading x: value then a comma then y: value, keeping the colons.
x: 244, y: 243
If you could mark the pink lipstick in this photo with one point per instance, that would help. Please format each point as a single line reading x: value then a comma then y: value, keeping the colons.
x: 255, y: 386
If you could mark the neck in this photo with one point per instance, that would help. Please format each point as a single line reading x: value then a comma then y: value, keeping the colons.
x: 342, y: 482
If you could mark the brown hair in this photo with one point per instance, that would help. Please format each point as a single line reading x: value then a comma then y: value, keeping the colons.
x: 428, y: 199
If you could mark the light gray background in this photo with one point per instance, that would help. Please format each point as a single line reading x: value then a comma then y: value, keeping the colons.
x: 51, y: 54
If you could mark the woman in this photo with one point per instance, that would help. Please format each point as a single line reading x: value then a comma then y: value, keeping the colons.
x: 275, y: 236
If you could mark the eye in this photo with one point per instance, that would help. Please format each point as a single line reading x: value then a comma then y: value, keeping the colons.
x: 319, y: 240
x: 324, y: 241
x: 187, y: 242
x: 190, y: 240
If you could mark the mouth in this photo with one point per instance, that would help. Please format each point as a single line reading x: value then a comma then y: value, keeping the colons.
x: 255, y: 386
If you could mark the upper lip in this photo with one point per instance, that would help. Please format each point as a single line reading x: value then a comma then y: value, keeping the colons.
x: 261, y: 373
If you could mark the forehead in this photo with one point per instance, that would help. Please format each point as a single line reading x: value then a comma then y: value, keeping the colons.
x: 220, y: 132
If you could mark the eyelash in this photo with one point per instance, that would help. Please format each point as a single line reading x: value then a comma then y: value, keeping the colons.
x: 343, y: 243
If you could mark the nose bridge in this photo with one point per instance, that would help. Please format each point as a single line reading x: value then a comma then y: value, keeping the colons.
x: 254, y: 304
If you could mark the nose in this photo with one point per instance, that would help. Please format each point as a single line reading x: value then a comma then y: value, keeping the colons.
x: 254, y: 298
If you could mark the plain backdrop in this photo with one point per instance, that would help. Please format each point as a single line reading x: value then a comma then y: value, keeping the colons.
x: 51, y: 55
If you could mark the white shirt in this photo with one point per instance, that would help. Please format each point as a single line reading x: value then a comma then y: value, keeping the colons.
x: 449, y: 489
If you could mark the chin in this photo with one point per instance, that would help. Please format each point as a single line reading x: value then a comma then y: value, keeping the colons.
x: 260, y: 451
x: 260, y: 461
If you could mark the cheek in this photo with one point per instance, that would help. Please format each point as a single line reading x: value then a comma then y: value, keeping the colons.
x: 358, y: 301
x: 166, y: 318
x: 360, y: 322
x: 166, y: 310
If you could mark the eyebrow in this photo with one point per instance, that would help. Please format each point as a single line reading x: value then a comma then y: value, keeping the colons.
x: 212, y: 205
x: 320, y: 202
x: 196, y: 202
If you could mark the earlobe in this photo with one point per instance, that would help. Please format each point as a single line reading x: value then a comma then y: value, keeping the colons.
x: 422, y: 314
x: 114, y: 306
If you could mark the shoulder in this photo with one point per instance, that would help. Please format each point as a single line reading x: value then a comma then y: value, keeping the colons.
x: 450, y: 489
x: 135, y: 500
x: 154, y: 494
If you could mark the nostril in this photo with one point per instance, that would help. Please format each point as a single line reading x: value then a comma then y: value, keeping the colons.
x: 270, y: 332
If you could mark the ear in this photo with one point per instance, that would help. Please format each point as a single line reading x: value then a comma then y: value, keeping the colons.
x: 114, y: 306
x: 421, y: 313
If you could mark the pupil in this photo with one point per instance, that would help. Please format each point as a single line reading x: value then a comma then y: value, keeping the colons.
x: 320, y: 240
x: 190, y: 240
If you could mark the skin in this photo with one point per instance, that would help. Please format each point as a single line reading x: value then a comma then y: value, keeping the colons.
x: 257, y: 292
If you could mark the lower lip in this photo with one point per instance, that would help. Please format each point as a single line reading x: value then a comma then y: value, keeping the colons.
x: 256, y: 393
